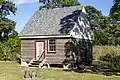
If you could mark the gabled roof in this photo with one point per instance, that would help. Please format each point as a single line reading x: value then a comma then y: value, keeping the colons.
x: 51, y: 22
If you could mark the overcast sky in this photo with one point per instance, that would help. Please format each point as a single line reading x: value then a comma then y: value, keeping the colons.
x: 26, y: 8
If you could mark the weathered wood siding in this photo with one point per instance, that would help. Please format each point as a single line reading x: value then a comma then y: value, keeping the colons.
x: 27, y: 50
x: 59, y: 56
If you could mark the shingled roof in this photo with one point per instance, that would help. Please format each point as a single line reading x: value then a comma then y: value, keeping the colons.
x: 47, y: 22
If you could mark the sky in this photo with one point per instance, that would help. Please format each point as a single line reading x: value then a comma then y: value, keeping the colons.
x: 26, y: 9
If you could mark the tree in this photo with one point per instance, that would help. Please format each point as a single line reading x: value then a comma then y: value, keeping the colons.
x: 58, y: 3
x: 10, y: 50
x: 7, y: 26
x: 95, y: 17
x: 65, y: 3
x: 114, y: 28
x: 115, y: 10
x: 98, y: 23
x: 9, y: 40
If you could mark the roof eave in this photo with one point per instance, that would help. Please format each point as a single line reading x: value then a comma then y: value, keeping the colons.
x: 44, y: 36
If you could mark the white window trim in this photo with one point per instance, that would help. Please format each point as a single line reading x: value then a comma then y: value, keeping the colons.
x: 49, y: 49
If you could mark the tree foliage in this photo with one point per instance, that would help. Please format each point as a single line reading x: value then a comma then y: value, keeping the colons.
x: 10, y: 50
x: 115, y: 10
x: 7, y: 26
x: 95, y: 17
x: 9, y: 41
x: 65, y: 3
x: 58, y: 3
x: 106, y: 30
x: 98, y: 22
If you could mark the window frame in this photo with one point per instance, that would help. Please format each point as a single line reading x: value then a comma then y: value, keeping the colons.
x: 49, y: 45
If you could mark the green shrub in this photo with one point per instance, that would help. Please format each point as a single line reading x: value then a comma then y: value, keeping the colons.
x: 108, y: 54
x: 10, y: 50
x: 113, y: 61
x: 99, y: 51
x: 107, y: 57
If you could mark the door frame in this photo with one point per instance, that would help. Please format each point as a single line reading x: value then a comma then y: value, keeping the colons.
x: 34, y: 55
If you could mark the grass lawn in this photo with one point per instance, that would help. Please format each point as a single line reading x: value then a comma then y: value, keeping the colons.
x: 11, y: 71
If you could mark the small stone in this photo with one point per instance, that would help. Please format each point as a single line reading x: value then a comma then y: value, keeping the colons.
x: 27, y: 74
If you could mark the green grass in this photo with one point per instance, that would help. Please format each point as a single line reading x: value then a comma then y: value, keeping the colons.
x: 11, y: 71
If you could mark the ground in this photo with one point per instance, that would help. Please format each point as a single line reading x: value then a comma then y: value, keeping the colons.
x: 11, y: 71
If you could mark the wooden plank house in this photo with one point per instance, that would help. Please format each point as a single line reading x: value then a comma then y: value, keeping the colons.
x: 44, y: 36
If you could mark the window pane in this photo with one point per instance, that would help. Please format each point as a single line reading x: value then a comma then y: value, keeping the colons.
x: 51, y: 45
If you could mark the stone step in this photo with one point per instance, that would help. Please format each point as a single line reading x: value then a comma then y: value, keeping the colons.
x: 35, y: 61
x: 33, y: 65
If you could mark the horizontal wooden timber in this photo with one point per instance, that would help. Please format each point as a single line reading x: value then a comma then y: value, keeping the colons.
x: 27, y: 53
x: 55, y: 61
x: 27, y: 41
x: 26, y: 58
x: 60, y: 51
x: 56, y: 55
x: 55, y: 58
x: 48, y: 36
x: 27, y: 49
x: 60, y: 46
x: 29, y: 45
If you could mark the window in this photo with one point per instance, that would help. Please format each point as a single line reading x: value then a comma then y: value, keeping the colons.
x: 51, y: 45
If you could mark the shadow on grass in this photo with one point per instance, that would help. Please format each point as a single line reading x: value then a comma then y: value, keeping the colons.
x: 98, y: 67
